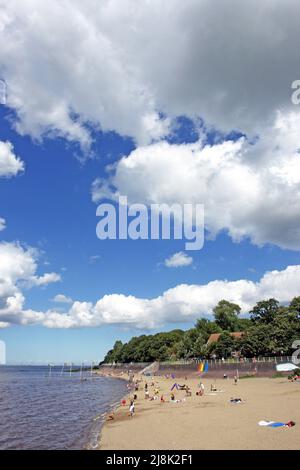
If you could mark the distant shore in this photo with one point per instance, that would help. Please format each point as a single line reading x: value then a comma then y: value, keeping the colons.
x: 209, y: 421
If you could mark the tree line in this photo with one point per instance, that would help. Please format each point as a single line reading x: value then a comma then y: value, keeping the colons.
x: 270, y: 330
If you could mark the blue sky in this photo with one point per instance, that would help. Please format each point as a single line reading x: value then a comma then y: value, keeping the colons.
x: 154, y: 146
x: 50, y: 207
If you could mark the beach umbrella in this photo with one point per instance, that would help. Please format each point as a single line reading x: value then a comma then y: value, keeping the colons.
x: 286, y: 367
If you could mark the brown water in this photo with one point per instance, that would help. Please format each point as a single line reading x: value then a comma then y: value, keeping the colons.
x: 57, y: 412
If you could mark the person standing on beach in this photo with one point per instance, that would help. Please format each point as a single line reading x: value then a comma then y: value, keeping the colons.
x: 131, y: 409
x: 201, y: 386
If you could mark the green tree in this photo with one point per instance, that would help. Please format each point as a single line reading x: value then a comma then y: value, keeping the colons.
x: 295, y: 306
x: 257, y: 341
x: 224, y: 346
x: 207, y: 327
x: 243, y: 324
x: 187, y: 343
x: 226, y: 315
x: 265, y: 311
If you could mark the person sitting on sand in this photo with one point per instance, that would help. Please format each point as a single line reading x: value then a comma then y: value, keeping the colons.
x: 162, y: 400
x: 146, y: 395
x: 213, y: 388
x: 156, y: 391
x: 172, y: 397
x: 201, y: 391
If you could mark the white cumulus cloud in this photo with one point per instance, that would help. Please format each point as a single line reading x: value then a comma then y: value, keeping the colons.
x: 62, y: 299
x: 18, y: 268
x: 46, y: 279
x: 183, y: 303
x: 2, y: 224
x: 125, y: 65
x: 249, y: 190
x: 178, y: 259
x: 10, y: 164
x: 180, y: 304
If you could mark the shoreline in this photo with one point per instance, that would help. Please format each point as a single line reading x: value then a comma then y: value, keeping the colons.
x: 208, y: 422
x: 113, y: 408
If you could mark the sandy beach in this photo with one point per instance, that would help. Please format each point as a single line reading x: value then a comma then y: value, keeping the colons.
x: 209, y: 421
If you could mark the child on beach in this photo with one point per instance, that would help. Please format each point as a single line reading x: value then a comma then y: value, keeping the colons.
x: 131, y: 409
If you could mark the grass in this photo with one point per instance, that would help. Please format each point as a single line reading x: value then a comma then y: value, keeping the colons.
x: 247, y: 377
x: 278, y: 375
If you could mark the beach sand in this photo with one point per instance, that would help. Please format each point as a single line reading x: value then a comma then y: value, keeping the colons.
x: 210, y: 421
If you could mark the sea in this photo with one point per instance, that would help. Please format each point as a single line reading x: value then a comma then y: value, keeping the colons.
x: 57, y: 410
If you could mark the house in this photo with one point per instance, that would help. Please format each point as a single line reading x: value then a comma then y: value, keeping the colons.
x: 214, y: 337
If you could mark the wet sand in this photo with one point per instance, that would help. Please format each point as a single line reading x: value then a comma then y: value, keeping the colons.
x: 210, y: 421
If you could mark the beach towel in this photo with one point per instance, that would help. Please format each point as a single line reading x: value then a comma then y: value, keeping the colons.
x: 273, y: 424
x: 236, y: 400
